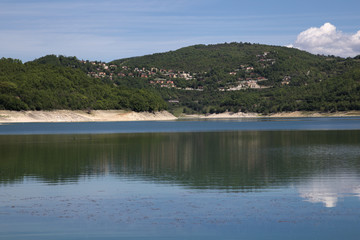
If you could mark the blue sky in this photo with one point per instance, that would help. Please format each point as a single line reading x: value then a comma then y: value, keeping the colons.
x: 113, y: 29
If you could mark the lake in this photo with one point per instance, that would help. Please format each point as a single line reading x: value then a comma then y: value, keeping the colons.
x: 219, y: 179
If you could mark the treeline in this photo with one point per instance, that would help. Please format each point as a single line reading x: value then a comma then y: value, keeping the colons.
x: 296, y: 81
x: 315, y: 82
x: 341, y: 93
x: 39, y: 86
x: 201, y: 58
x: 214, y: 62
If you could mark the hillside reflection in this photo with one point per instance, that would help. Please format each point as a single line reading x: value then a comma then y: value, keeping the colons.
x: 221, y: 160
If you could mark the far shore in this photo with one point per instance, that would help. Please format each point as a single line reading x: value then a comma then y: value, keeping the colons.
x: 7, y: 116
x: 82, y: 116
x: 295, y: 114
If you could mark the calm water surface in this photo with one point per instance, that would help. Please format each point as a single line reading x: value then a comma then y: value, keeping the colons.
x: 247, y: 124
x: 254, y: 179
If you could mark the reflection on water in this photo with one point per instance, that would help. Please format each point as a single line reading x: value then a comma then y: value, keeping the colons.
x: 220, y: 160
x: 328, y: 189
x: 210, y: 185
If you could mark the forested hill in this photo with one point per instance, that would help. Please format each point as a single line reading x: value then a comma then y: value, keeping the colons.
x: 47, y: 86
x: 255, y: 77
x: 272, y: 62
x: 197, y: 79
x: 199, y: 58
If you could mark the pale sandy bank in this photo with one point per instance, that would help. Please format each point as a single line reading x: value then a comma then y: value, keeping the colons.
x: 225, y: 115
x: 297, y: 114
x: 120, y: 115
x: 315, y: 114
x: 82, y: 116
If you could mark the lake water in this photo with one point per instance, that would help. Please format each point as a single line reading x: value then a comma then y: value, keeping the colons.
x: 236, y: 179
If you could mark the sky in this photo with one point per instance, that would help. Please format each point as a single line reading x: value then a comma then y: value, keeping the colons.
x: 106, y: 30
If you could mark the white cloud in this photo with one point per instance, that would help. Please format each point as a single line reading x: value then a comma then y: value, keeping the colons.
x: 328, y: 40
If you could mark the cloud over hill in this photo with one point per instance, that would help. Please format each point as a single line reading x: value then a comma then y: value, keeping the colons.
x: 328, y: 40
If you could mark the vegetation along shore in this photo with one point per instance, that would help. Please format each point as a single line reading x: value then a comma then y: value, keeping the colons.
x: 241, y: 78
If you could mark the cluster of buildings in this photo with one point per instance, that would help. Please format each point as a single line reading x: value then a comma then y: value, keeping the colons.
x: 251, y: 79
x: 163, y: 82
x: 246, y: 74
x: 253, y: 84
x: 264, y: 59
x: 100, y: 69
x: 156, y: 76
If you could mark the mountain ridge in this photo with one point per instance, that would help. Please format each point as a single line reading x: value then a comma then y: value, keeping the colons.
x: 212, y: 78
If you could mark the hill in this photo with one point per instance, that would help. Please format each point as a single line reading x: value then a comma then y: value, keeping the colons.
x: 272, y: 62
x: 196, y: 79
x: 51, y: 85
x: 255, y: 77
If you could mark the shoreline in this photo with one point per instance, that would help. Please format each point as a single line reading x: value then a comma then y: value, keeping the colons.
x: 295, y: 114
x: 7, y: 116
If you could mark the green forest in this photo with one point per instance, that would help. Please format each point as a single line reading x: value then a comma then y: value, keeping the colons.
x: 197, y: 79
x: 38, y: 86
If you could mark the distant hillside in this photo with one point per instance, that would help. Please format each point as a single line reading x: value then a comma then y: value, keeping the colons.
x: 197, y: 79
x: 255, y: 77
x: 46, y: 84
x: 272, y: 62
x: 200, y: 58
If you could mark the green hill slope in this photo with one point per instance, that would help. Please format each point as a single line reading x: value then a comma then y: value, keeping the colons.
x: 290, y: 79
x: 50, y: 85
x: 272, y: 62
x: 197, y: 79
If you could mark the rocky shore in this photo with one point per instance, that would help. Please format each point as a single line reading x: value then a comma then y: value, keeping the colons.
x: 121, y: 115
x: 82, y: 116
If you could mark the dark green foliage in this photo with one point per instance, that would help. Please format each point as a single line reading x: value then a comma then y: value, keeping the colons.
x: 340, y: 93
x: 59, y: 61
x: 49, y: 85
x: 220, y: 59
x: 318, y: 83
x: 314, y: 82
x: 200, y: 58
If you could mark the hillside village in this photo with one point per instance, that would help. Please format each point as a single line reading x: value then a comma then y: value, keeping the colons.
x: 244, y: 77
x: 195, y: 79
